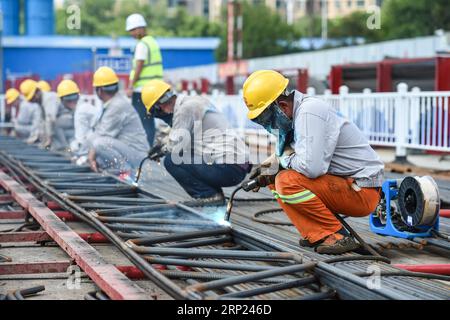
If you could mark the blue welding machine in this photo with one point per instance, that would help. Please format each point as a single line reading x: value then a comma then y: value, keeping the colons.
x: 409, y: 208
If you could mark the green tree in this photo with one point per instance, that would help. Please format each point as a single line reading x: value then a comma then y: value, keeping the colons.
x: 354, y: 26
x: 107, y: 17
x: 265, y: 33
x: 406, y: 18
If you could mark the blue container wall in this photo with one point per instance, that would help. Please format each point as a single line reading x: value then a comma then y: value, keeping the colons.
x: 11, y: 20
x: 40, y: 18
x: 49, y: 63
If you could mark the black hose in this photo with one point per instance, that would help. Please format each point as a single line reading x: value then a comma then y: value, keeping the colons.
x: 230, y: 203
x: 257, y: 215
x: 138, y: 175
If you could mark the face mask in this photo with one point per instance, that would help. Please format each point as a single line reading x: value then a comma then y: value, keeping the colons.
x: 275, y: 121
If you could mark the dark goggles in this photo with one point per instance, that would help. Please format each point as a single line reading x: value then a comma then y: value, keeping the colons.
x: 164, y: 99
x: 70, y: 97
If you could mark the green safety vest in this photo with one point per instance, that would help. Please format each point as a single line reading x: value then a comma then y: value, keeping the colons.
x: 153, y: 68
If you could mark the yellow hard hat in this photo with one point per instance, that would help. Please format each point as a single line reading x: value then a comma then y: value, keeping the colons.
x: 105, y: 76
x: 153, y: 91
x: 12, y: 95
x: 44, y: 86
x: 28, y: 89
x: 261, y: 89
x: 67, y: 88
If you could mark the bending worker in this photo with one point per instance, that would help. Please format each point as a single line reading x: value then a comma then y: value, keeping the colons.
x: 80, y: 119
x: 327, y: 165
x: 147, y: 65
x: 28, y: 118
x: 202, y: 153
x: 48, y: 103
x: 117, y: 140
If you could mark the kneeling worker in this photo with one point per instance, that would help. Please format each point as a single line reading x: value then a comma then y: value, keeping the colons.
x: 118, y: 139
x: 202, y: 153
x: 328, y: 166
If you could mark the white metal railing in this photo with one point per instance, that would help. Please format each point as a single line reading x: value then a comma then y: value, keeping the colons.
x: 403, y: 119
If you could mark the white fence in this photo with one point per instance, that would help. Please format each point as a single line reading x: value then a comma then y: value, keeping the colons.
x: 403, y: 119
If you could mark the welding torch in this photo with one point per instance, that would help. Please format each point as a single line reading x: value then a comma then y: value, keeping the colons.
x: 258, y: 181
x: 155, y: 154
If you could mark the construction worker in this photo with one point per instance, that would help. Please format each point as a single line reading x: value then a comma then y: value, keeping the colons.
x: 147, y: 65
x: 202, y: 154
x: 28, y: 118
x: 84, y: 118
x: 44, y: 86
x: 117, y: 140
x: 328, y: 166
x: 48, y: 103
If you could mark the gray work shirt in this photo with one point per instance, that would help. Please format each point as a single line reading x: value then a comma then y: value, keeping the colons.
x: 199, y: 127
x: 119, y: 120
x: 29, y: 118
x: 325, y: 142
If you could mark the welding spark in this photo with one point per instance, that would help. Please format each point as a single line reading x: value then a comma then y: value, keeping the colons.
x: 217, y: 214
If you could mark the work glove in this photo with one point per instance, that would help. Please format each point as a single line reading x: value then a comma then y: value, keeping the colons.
x: 157, y: 152
x: 285, y: 158
x: 266, y: 172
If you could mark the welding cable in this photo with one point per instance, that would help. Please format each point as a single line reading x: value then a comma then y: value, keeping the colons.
x: 138, y: 174
x: 257, y: 218
x: 230, y: 203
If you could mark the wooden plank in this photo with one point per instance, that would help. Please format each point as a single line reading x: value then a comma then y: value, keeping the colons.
x: 34, y: 267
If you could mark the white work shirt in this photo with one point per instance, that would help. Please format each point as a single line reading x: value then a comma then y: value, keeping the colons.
x: 140, y: 54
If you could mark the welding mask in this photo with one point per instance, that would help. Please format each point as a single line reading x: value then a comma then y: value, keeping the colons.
x: 70, y: 101
x: 275, y: 121
x: 157, y: 111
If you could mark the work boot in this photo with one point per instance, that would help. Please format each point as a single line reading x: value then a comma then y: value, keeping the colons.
x: 307, y: 244
x: 217, y: 200
x: 336, y: 243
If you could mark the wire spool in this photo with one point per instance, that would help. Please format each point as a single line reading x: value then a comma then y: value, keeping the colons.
x: 418, y: 199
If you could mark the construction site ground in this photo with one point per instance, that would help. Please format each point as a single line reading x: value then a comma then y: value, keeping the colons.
x: 157, y: 181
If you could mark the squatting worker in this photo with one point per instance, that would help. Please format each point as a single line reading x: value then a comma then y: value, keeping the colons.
x: 147, y: 65
x: 202, y: 153
x: 117, y: 140
x: 328, y: 166
x: 49, y: 103
x: 28, y: 118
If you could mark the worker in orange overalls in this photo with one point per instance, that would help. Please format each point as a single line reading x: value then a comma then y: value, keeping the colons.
x: 323, y: 165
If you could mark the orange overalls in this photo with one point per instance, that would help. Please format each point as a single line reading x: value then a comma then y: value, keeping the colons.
x: 311, y: 203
